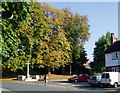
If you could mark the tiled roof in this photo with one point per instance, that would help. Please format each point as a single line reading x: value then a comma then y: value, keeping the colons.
x: 114, y: 47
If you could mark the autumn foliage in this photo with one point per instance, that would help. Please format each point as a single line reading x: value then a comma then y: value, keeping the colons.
x: 42, y: 35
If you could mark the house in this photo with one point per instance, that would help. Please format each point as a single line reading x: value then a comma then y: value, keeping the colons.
x: 112, y: 56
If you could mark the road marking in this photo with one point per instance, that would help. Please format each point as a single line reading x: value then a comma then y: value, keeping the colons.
x: 55, y: 86
x: 64, y: 83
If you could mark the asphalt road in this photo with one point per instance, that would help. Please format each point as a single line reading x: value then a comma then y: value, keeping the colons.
x: 54, y: 86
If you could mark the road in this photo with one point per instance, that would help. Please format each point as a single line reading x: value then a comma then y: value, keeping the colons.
x: 55, y: 86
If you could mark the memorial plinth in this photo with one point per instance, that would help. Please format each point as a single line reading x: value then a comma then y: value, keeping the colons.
x: 28, y: 77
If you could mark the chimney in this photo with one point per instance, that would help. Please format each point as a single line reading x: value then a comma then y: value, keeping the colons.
x: 113, y: 38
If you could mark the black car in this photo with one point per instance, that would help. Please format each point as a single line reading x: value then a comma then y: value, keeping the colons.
x: 95, y: 81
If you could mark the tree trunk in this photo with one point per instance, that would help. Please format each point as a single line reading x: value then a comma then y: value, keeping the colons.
x: 63, y: 70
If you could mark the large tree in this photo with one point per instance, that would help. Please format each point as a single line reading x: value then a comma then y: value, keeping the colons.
x: 43, y: 35
x: 47, y: 43
x: 10, y: 39
x: 78, y: 65
x: 57, y: 47
x: 77, y: 29
x: 101, y: 46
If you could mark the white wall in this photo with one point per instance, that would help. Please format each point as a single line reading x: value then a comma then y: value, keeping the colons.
x: 110, y: 61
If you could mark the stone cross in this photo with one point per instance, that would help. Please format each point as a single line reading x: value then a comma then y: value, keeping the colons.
x: 28, y: 75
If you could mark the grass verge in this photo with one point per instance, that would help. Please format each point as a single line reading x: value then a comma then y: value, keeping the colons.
x: 50, y: 77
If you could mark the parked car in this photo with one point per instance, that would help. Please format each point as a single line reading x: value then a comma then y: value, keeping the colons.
x: 80, y: 78
x: 110, y: 78
x: 95, y: 81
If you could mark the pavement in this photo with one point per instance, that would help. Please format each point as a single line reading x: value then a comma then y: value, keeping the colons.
x: 63, y: 84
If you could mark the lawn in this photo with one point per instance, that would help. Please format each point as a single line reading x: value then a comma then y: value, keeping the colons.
x: 50, y: 77
x: 56, y: 77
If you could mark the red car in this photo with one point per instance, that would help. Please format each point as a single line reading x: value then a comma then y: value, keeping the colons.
x: 80, y: 78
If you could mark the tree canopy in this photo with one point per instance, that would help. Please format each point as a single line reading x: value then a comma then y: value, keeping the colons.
x: 42, y: 35
x: 101, y: 46
x: 10, y: 38
x: 77, y: 29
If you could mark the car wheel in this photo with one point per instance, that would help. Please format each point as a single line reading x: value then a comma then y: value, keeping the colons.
x: 102, y: 86
x: 69, y: 81
x: 76, y: 80
x: 99, y: 85
x: 115, y: 85
x: 87, y: 80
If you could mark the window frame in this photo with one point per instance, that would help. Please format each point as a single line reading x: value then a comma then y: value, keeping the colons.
x: 115, y: 56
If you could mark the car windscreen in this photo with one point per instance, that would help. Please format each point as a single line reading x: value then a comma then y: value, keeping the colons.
x: 93, y: 78
x: 105, y: 75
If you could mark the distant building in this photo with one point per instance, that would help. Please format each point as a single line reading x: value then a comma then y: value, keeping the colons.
x: 112, y: 56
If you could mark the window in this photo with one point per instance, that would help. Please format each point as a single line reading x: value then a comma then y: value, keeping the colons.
x: 103, y: 75
x: 114, y: 56
x: 115, y: 69
x: 106, y: 75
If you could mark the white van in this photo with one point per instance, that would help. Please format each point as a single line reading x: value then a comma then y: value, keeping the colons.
x: 110, y: 78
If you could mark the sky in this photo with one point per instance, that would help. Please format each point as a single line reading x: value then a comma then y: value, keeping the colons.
x: 102, y: 16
